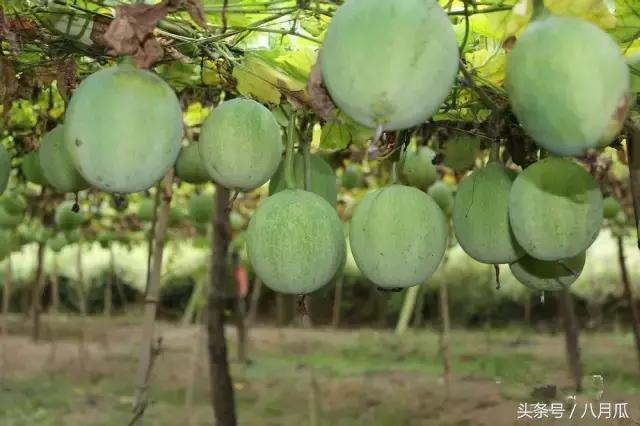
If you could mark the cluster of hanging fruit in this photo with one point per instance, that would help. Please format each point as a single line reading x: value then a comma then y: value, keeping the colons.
x: 567, y: 98
x: 389, y: 65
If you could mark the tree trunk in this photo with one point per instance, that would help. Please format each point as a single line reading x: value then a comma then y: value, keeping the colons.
x: 281, y: 309
x: 407, y: 309
x: 337, y: 302
x: 571, y: 332
x: 443, y: 340
x: 36, y: 296
x: 418, y: 317
x: 255, y: 300
x: 382, y: 298
x: 83, y: 352
x: 633, y: 149
x: 222, y: 397
x: 53, y: 315
x: 628, y: 294
x: 122, y: 298
x: 241, y: 329
x: 148, y: 347
x: 527, y: 311
x: 108, y: 286
x: 6, y: 299
x: 315, y: 414
x: 190, y: 311
x: 194, y: 371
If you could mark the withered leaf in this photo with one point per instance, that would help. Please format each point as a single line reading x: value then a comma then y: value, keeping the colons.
x: 99, y: 29
x: 318, y: 97
x: 150, y: 52
x: 196, y: 11
x: 44, y: 76
x: 131, y: 32
x: 67, y: 77
x: 8, y: 82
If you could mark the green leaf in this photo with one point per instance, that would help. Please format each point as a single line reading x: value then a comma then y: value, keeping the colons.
x: 339, y: 135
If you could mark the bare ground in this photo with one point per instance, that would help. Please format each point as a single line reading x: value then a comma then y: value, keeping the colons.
x: 297, y: 376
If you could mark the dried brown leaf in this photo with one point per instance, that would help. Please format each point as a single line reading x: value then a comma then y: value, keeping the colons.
x: 318, y: 97
x: 3, y: 24
x: 150, y: 52
x: 9, y: 85
x: 100, y: 26
x: 67, y: 77
x: 131, y: 32
x: 44, y: 76
x: 196, y: 11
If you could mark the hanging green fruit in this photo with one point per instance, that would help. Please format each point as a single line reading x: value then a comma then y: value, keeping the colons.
x: 568, y: 84
x: 190, y: 167
x: 548, y: 276
x: 323, y: 179
x: 56, y: 164
x: 481, y: 216
x: 123, y: 129
x: 240, y: 144
x: 398, y: 236
x: 555, y: 209
x: 295, y: 242
x: 389, y: 63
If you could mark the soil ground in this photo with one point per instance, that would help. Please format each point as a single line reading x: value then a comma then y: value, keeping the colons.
x: 309, y: 377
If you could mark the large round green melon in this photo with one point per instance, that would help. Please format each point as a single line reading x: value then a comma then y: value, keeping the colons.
x: 236, y: 220
x: 555, y: 209
x: 389, y: 63
x: 548, y: 275
x: 5, y: 168
x: 123, y: 129
x: 352, y: 177
x: 611, y: 207
x: 295, y: 242
x: 14, y: 203
x: 568, y: 84
x: 481, y: 216
x: 57, y: 166
x: 65, y: 218
x: 443, y: 195
x: 398, y: 236
x: 240, y: 144
x: 58, y: 242
x: 190, y: 167
x: 32, y: 170
x: 201, y: 208
x: 73, y: 236
x: 176, y: 214
x: 323, y: 179
x: 6, y: 242
x: 418, y: 169
x: 460, y: 151
x: 10, y: 220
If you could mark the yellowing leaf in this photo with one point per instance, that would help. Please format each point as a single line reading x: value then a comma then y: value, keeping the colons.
x: 336, y: 135
x: 595, y: 11
x: 489, y: 65
x: 251, y: 83
x: 195, y: 114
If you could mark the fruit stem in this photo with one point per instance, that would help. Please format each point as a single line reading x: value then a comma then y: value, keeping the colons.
x: 126, y: 60
x: 394, y: 172
x: 306, y: 154
x: 539, y: 10
x: 289, y: 178
x: 494, y: 155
